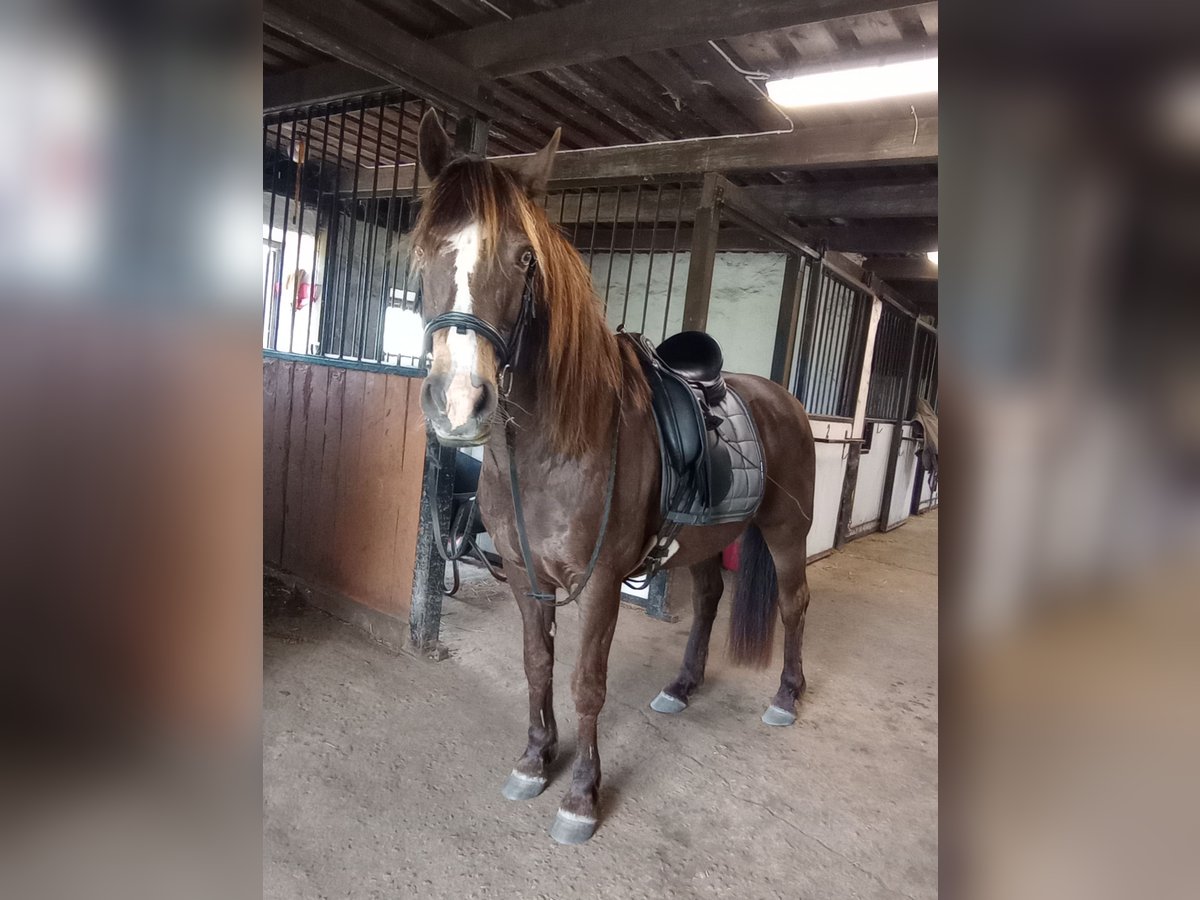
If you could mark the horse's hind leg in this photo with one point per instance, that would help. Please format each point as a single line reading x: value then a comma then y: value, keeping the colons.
x: 792, y: 572
x: 707, y: 586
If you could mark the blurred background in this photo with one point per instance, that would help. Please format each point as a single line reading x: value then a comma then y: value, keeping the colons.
x: 130, y: 541
x: 1071, y: 334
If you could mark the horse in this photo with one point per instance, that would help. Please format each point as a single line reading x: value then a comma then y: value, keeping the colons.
x: 523, y: 362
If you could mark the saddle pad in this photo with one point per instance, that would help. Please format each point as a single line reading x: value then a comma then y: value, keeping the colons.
x: 736, y: 461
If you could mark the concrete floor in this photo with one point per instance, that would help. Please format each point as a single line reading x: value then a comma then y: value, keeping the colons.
x: 382, y: 771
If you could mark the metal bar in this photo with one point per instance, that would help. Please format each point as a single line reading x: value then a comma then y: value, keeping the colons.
x: 369, y: 277
x: 637, y: 211
x: 578, y: 216
x: 341, y: 341
x: 674, y: 254
x: 275, y: 290
x: 611, y: 253
x: 820, y: 345
x: 889, y: 478
x: 312, y: 280
x: 395, y: 212
x: 333, y: 257
x: 650, y: 261
x: 595, y: 225
x: 812, y: 301
x: 287, y: 197
x: 410, y: 211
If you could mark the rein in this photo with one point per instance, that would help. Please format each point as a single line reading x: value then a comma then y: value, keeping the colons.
x: 508, y: 352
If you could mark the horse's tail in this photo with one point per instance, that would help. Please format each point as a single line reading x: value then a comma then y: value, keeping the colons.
x: 755, y: 601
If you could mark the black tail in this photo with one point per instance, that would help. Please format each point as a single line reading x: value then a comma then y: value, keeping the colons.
x: 755, y: 601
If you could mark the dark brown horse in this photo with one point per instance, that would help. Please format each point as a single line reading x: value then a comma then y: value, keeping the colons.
x: 485, y: 248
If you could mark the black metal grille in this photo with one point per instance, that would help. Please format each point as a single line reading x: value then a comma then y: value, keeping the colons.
x: 632, y: 238
x: 925, y: 370
x: 830, y: 365
x: 889, y: 364
x: 336, y: 280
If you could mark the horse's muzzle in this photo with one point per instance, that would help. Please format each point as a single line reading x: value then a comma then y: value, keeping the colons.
x: 459, y: 409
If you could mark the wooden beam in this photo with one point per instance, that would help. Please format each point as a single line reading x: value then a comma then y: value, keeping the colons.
x: 603, y: 29
x: 704, y: 254
x: 788, y: 321
x: 873, y: 238
x: 317, y: 84
x: 361, y: 37
x: 901, y: 268
x: 842, y: 146
x: 853, y: 200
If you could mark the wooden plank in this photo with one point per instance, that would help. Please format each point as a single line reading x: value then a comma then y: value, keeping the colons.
x: 852, y: 200
x: 323, y: 526
x: 361, y: 563
x: 277, y: 378
x: 349, y: 486
x: 306, y: 530
x: 898, y: 237
x: 788, y: 321
x: 382, y: 450
x: 410, y: 465
x: 317, y: 84
x: 916, y: 268
x: 887, y: 142
x: 356, y: 34
x: 603, y: 29
x: 704, y: 250
x: 293, y: 495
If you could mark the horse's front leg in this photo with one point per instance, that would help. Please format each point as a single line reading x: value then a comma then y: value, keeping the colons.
x: 578, y: 812
x: 528, y: 778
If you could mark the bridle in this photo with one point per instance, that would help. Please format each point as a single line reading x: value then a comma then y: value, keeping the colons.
x: 508, y: 354
x: 508, y: 350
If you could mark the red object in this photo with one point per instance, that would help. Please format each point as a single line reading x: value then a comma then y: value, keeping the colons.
x: 731, y: 555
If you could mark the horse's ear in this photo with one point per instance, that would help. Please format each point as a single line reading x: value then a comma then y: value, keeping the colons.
x: 433, y: 146
x: 536, y: 169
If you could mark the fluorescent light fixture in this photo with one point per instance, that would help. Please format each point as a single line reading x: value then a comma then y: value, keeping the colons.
x: 932, y: 254
x: 897, y: 79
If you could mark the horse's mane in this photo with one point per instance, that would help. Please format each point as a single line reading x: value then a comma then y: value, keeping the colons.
x: 580, y: 361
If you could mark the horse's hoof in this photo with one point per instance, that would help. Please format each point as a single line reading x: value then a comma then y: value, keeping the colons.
x: 570, y: 828
x: 665, y: 703
x: 779, y: 717
x: 523, y: 787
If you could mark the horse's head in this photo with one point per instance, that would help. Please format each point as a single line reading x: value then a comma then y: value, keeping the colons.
x: 476, y: 255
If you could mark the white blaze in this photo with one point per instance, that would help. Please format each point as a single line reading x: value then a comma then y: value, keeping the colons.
x: 461, y: 394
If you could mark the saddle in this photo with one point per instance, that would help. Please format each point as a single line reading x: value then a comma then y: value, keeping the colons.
x: 711, y: 458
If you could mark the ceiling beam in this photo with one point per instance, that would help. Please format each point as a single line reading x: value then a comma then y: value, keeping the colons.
x: 321, y: 83
x: 852, y: 200
x: 902, y: 268
x: 361, y: 37
x: 824, y: 146
x: 603, y: 29
x: 859, y: 200
x: 891, y: 237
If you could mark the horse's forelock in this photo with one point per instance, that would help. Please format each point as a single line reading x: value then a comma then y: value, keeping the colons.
x: 580, y: 366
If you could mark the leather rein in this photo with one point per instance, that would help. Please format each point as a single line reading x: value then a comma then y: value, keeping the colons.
x: 508, y: 352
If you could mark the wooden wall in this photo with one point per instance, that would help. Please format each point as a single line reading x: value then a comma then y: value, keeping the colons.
x: 343, y: 456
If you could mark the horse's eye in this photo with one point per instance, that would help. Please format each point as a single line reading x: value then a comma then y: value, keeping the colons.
x: 526, y: 259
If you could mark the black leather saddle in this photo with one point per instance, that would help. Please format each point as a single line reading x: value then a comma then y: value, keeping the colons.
x: 686, y: 391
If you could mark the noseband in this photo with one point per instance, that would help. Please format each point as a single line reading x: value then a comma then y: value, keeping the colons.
x: 508, y: 350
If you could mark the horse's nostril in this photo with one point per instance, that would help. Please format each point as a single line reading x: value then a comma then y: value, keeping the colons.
x: 486, y: 402
x: 433, y: 395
